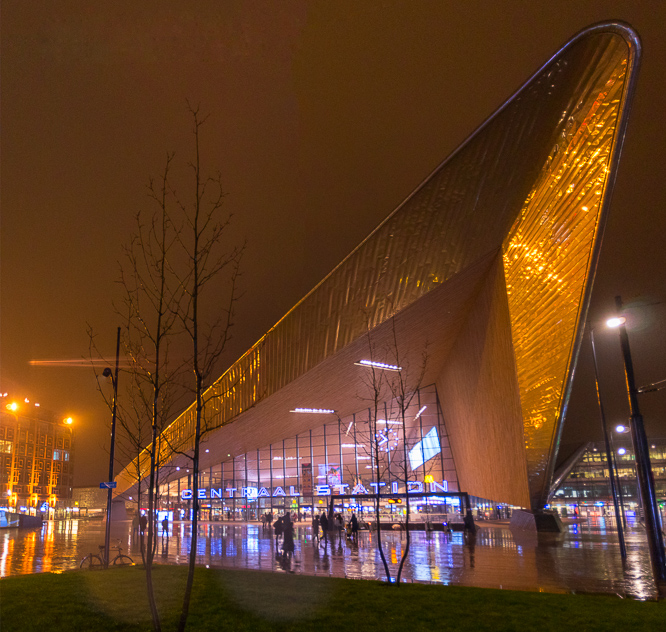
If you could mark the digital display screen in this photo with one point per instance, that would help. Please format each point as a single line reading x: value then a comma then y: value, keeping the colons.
x: 425, y: 449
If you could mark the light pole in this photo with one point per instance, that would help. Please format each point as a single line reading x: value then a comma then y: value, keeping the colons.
x: 617, y: 476
x: 643, y: 466
x: 609, y: 456
x: 109, y: 499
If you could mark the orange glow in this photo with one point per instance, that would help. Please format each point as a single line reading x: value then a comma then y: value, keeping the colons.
x: 13, y: 406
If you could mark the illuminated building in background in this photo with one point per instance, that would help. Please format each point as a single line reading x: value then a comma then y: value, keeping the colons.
x: 487, y: 266
x: 36, y: 456
x: 586, y: 488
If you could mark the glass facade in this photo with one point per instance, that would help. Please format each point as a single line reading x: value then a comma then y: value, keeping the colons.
x: 587, y: 488
x: 341, y: 458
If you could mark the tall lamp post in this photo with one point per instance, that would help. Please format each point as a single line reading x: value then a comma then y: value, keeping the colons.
x: 643, y: 466
x: 109, y: 499
x: 609, y: 456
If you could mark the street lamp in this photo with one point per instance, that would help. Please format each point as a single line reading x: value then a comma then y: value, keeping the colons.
x: 643, y: 466
x: 107, y: 373
x: 612, y: 473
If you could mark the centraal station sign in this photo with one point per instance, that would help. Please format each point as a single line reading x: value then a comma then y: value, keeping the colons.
x: 342, y: 489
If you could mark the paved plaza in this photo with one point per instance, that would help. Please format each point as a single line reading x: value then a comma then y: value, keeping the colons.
x: 584, y: 559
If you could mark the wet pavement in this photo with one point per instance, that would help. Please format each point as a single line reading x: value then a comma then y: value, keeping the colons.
x: 584, y: 559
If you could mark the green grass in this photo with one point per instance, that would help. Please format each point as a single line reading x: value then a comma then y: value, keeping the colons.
x: 256, y: 601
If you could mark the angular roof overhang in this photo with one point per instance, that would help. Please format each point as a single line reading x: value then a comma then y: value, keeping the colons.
x: 533, y: 185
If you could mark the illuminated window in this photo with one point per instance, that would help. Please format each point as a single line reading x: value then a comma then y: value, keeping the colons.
x: 5, y: 446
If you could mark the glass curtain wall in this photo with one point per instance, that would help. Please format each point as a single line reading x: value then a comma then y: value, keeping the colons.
x: 340, y: 458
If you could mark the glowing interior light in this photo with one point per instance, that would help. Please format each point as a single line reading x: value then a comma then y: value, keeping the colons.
x: 420, y: 413
x: 36, y: 404
x: 378, y: 365
x: 616, y: 322
x: 207, y: 450
x: 351, y: 423
x: 621, y: 451
x: 353, y: 445
x: 316, y: 411
x: 177, y: 469
x: 390, y: 422
x: 12, y: 406
x: 26, y: 400
x: 620, y: 428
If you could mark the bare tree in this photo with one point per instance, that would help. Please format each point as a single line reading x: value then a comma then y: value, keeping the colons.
x: 202, y: 241
x: 376, y: 386
x: 404, y: 386
x: 150, y: 306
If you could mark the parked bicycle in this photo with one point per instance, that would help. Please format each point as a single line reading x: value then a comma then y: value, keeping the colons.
x: 94, y: 561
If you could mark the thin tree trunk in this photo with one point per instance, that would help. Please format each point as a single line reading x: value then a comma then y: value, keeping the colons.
x: 380, y: 547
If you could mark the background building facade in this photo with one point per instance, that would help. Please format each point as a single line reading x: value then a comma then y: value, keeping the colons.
x: 37, y: 457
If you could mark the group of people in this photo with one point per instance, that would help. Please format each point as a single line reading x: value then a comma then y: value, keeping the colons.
x: 336, y: 524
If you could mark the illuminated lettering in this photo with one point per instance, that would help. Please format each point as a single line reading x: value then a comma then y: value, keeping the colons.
x: 201, y: 494
x: 341, y: 487
x: 249, y: 492
x: 414, y: 487
x: 360, y: 489
x: 435, y: 486
x: 230, y: 490
x: 377, y: 486
x: 394, y: 487
x: 215, y: 493
x: 278, y: 491
x: 292, y: 492
x: 323, y: 490
x: 186, y: 494
x: 263, y: 492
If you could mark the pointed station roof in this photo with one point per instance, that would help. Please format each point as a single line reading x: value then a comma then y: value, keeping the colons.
x: 488, y: 264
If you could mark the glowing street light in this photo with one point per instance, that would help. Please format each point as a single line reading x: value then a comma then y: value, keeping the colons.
x: 621, y: 429
x: 621, y: 451
x: 644, y: 473
x: 13, y: 407
x: 69, y: 421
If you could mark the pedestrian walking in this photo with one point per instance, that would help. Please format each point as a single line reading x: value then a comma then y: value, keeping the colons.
x: 354, y: 527
x: 315, y: 527
x: 323, y: 521
x: 278, y: 527
x: 287, y: 535
x: 165, y: 526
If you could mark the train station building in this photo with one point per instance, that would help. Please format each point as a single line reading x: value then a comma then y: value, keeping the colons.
x: 447, y: 340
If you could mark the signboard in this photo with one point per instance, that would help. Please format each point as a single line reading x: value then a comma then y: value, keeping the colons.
x: 111, y: 485
x: 306, y: 479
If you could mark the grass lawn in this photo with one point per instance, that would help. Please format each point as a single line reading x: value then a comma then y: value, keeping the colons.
x: 255, y: 601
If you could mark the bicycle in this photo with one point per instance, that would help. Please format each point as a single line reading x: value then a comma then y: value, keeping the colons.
x: 93, y: 561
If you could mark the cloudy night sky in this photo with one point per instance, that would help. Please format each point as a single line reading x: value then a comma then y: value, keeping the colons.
x: 324, y: 116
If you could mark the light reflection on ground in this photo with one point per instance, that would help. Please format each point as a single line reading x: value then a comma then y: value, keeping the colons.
x: 585, y: 559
